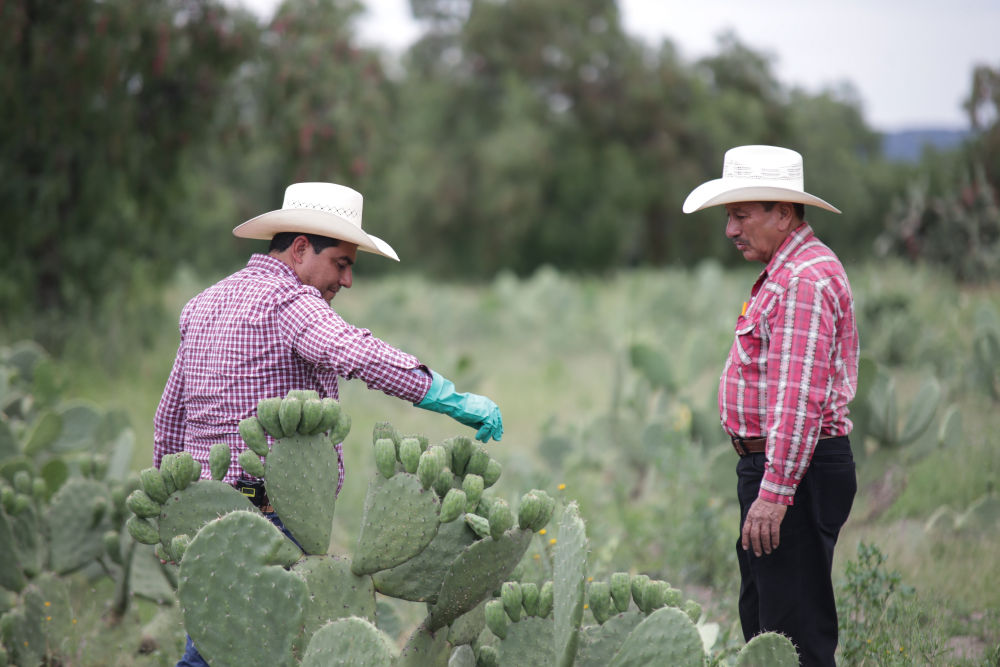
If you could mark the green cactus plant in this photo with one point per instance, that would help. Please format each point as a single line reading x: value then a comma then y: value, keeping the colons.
x: 884, y: 424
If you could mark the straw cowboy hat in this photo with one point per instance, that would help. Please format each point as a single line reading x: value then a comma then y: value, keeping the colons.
x: 756, y: 173
x: 326, y: 209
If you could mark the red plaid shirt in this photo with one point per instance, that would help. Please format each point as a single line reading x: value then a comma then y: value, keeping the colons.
x: 793, y: 367
x: 261, y: 333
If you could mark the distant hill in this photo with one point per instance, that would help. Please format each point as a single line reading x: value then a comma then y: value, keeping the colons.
x: 907, y: 145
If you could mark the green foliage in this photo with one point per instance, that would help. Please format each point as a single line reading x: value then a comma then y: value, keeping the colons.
x: 879, y: 622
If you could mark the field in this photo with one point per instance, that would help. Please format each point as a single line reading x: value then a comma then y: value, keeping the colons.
x: 607, y: 387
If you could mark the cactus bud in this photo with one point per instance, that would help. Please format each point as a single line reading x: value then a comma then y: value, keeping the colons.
x: 445, y: 482
x: 290, y: 414
x: 492, y: 472
x: 638, y: 586
x: 7, y: 495
x: 473, y: 487
x: 479, y: 525
x: 113, y: 546
x: 167, y: 473
x: 693, y: 610
x: 409, y: 454
x: 253, y: 435
x: 385, y: 430
x: 182, y: 470
x: 529, y: 598
x: 461, y: 450
x: 510, y: 593
x: 21, y: 503
x: 545, y: 599
x: 178, y: 545
x: 599, y: 596
x: 343, y: 427
x: 478, y: 461
x: 251, y: 463
x: 428, y: 469
x: 267, y: 413
x: 496, y: 618
x: 488, y: 656
x: 528, y: 511
x: 331, y: 415
x: 621, y: 590
x: 219, y: 460
x: 142, y: 530
x: 385, y: 457
x: 672, y: 596
x: 22, y: 481
x: 312, y: 415
x: 161, y: 552
x: 39, y: 489
x: 140, y: 504
x: 452, y: 505
x: 152, y: 483
x: 655, y: 595
x: 501, y: 518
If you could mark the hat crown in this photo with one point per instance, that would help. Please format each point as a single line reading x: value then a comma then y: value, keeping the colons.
x: 764, y: 164
x: 327, y: 198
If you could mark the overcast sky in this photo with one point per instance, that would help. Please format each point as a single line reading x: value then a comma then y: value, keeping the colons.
x: 910, y: 60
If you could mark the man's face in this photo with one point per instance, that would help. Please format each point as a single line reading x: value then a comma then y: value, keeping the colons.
x: 755, y: 232
x: 328, y: 270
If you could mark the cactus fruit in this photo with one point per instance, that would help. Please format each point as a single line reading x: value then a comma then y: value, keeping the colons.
x: 142, y: 505
x: 546, y: 599
x: 331, y: 415
x: 153, y: 485
x: 461, y: 450
x: 621, y: 590
x: 452, y: 506
x: 599, y: 597
x: 492, y: 473
x: 429, y: 468
x: 385, y: 457
x: 253, y: 435
x: 289, y: 414
x: 251, y: 463
x: 510, y: 595
x: 693, y: 610
x: 142, y: 530
x: 473, y: 487
x: 478, y: 462
x: 445, y: 482
x: 529, y: 598
x: 219, y: 460
x: 487, y: 656
x: 496, y: 618
x: 340, y: 431
x: 312, y: 416
x: 480, y: 525
x: 183, y: 470
x: 501, y: 518
x: 409, y: 454
x: 178, y: 546
x: 267, y: 414
x: 385, y: 430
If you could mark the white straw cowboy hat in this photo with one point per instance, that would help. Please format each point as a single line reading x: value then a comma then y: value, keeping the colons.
x: 756, y: 173
x: 326, y: 209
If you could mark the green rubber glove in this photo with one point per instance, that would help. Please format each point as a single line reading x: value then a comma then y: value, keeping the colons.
x: 472, y: 410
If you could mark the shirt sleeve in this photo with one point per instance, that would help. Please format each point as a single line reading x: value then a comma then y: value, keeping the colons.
x: 321, y: 337
x: 168, y: 422
x: 799, y: 364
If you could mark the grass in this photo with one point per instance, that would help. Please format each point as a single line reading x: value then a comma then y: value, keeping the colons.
x: 553, y: 351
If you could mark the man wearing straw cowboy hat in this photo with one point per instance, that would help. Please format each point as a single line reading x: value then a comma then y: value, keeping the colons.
x: 269, y: 328
x: 783, y: 399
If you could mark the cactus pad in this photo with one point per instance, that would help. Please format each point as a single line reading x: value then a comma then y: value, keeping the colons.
x: 186, y: 511
x: 665, y: 637
x: 349, y: 641
x: 335, y: 592
x: 229, y: 572
x: 770, y: 649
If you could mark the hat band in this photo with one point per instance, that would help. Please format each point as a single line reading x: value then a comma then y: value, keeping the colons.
x: 350, y: 214
x: 788, y: 173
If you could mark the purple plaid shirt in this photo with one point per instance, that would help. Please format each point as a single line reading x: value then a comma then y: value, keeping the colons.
x: 261, y: 333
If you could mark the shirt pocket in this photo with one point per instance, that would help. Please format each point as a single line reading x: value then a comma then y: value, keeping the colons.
x: 749, y: 340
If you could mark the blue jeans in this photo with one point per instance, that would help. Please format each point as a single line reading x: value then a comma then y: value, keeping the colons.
x: 191, y: 657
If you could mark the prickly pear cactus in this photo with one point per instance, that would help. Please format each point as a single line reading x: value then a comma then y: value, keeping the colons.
x: 768, y: 650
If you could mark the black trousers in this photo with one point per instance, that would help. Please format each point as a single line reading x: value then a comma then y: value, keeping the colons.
x: 791, y: 591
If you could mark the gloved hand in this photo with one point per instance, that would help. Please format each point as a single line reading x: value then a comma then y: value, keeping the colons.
x: 472, y: 410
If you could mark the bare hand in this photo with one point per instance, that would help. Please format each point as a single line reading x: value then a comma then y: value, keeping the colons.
x: 762, y: 528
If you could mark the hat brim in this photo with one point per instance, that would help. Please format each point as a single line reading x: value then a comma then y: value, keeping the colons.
x: 731, y: 191
x: 308, y: 221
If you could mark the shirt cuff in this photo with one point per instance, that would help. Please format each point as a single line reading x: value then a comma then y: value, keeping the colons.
x: 777, y: 489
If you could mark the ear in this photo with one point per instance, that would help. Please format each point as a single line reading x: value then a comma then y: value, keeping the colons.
x: 300, y: 245
x: 786, y: 216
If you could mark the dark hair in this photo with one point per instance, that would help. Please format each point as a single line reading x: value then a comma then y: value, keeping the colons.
x: 282, y: 240
x: 800, y: 208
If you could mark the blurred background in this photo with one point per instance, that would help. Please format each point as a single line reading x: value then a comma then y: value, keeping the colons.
x: 528, y: 160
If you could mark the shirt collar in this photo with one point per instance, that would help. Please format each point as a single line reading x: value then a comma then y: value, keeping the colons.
x: 788, y: 247
x: 271, y: 265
